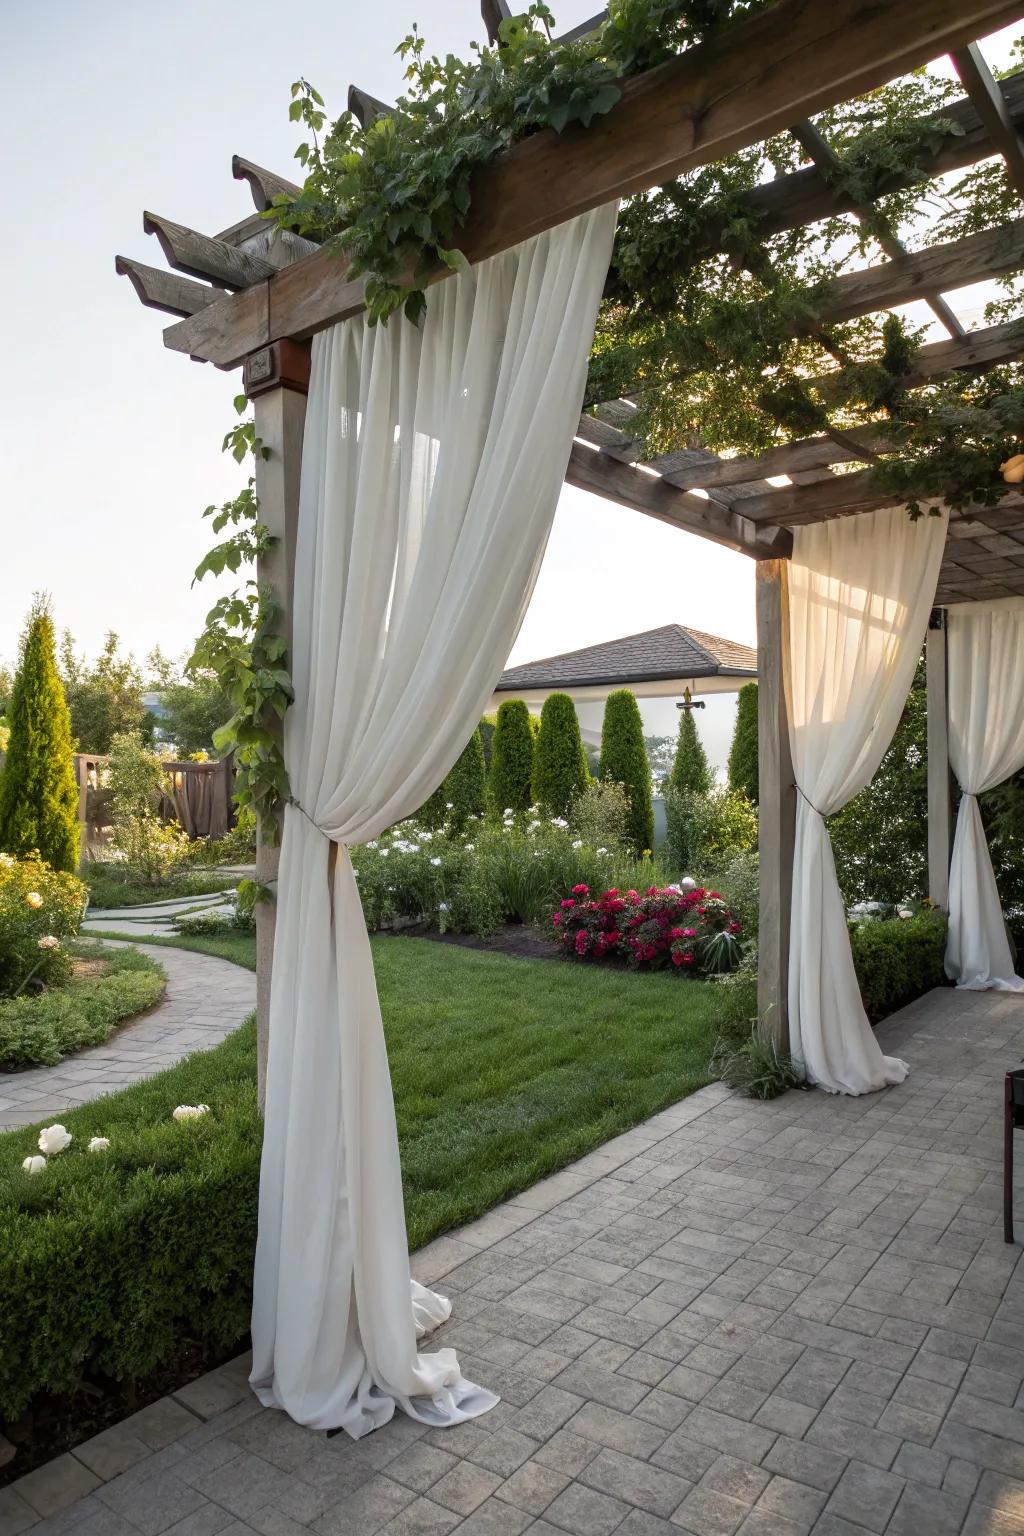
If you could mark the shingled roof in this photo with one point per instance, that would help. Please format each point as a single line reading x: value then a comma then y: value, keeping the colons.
x: 655, y: 655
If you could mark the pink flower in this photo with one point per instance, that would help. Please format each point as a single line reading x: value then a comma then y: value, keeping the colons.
x: 689, y: 933
x: 567, y: 904
x: 581, y: 890
x: 581, y: 943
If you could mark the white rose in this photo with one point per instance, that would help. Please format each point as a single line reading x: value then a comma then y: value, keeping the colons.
x: 577, y: 843
x: 435, y: 862
x: 687, y: 884
x: 470, y: 847
x: 444, y: 907
x: 99, y: 1144
x: 53, y: 1139
x: 48, y: 942
x: 190, y: 1111
x: 508, y: 811
x: 449, y: 805
x: 34, y: 1164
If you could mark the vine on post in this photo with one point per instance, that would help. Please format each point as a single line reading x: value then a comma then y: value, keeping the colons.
x: 241, y: 645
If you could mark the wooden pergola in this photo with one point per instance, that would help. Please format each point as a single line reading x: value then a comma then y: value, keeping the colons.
x: 253, y: 296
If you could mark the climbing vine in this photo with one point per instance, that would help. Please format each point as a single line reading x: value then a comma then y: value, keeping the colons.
x: 711, y: 322
x: 241, y: 644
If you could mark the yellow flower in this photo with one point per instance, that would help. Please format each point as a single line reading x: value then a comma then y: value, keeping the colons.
x: 33, y: 898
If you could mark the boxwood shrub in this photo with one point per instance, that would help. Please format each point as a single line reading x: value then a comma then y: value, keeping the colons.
x: 898, y: 959
x: 40, y: 1029
x: 109, y: 1261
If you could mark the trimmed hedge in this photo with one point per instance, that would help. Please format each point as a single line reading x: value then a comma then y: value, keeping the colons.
x: 691, y: 773
x: 898, y: 959
x: 624, y: 759
x: 41, y: 1030
x: 560, y: 769
x: 512, y: 748
x: 743, y: 752
x: 110, y: 1260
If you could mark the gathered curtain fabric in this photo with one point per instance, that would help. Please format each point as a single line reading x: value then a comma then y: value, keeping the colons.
x: 432, y: 462
x: 859, y: 593
x: 985, y: 692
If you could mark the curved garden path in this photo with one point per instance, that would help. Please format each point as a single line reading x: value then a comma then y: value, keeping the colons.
x: 206, y: 999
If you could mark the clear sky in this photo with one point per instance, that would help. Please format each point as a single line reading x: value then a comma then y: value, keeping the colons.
x: 110, y: 443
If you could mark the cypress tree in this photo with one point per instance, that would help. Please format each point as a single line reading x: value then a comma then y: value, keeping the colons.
x: 511, y: 781
x: 38, y: 793
x: 743, y: 752
x: 624, y: 759
x: 690, y: 770
x: 465, y: 786
x: 560, y: 763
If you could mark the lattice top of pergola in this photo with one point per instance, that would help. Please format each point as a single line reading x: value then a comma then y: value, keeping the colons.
x: 260, y: 286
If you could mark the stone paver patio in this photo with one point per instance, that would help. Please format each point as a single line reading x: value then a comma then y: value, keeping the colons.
x: 206, y: 999
x: 764, y: 1319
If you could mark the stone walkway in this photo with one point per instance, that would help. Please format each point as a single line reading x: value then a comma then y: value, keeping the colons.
x: 206, y: 999
x: 157, y: 919
x: 761, y: 1319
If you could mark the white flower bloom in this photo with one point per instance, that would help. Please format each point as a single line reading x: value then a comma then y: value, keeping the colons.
x: 435, y: 862
x: 687, y: 884
x: 443, y: 907
x: 577, y: 842
x: 533, y: 826
x: 48, y: 942
x: 33, y: 899
x: 450, y: 805
x: 426, y: 837
x: 508, y: 811
x: 6, y: 861
x: 373, y: 844
x: 383, y: 853
x: 53, y: 1139
x: 34, y: 1164
x: 470, y: 847
x: 602, y: 850
x: 99, y: 1144
x: 904, y: 912
x: 190, y: 1111
x: 559, y: 821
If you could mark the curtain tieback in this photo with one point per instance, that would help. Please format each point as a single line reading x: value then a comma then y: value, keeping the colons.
x: 806, y: 801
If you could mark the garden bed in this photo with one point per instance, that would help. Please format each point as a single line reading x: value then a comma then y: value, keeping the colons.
x: 110, y: 886
x: 105, y: 990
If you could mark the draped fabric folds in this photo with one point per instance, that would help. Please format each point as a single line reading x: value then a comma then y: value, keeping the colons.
x: 431, y: 468
x: 859, y: 593
x: 985, y: 659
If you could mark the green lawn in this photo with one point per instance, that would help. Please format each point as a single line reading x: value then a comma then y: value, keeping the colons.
x: 503, y: 1069
x: 237, y: 947
x: 107, y: 889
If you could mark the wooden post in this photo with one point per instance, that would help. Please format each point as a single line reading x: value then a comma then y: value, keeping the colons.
x: 940, y: 799
x: 777, y: 802
x: 276, y: 380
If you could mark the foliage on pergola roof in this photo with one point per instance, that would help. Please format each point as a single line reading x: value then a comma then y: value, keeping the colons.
x: 256, y: 284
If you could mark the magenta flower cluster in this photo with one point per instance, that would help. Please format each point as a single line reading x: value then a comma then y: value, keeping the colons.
x: 663, y: 926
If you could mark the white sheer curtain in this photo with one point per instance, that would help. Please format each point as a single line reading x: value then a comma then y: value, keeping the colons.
x: 859, y: 593
x: 985, y: 651
x: 431, y: 468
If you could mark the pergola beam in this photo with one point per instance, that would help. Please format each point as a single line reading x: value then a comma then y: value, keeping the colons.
x: 990, y: 104
x: 591, y: 470
x: 838, y: 496
x: 781, y: 65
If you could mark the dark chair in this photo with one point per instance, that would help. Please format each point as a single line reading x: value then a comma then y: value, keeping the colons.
x: 1013, y: 1118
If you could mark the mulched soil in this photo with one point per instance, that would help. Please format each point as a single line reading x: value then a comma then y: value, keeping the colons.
x: 514, y: 939
x: 54, y: 1424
